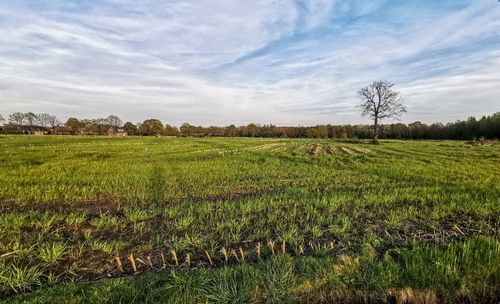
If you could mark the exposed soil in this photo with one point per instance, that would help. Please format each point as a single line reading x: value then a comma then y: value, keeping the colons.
x: 94, y: 207
x: 114, y: 207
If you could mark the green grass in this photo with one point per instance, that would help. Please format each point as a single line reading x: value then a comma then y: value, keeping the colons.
x: 459, y: 272
x: 52, y: 253
x: 405, y: 219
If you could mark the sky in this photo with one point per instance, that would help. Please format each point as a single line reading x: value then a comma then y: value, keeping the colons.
x: 221, y: 62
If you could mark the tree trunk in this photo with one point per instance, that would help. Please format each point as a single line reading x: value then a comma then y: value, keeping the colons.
x: 375, y: 130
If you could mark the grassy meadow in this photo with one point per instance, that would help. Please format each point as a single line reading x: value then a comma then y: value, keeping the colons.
x: 244, y: 220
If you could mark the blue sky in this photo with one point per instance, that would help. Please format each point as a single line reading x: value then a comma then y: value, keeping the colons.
x: 208, y: 62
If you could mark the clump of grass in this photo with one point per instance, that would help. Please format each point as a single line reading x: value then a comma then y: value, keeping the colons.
x: 107, y: 247
x: 18, y: 248
x: 185, y: 287
x: 105, y: 222
x: 14, y: 278
x: 394, y: 220
x: 77, y: 251
x: 178, y: 244
x: 184, y: 223
x: 236, y: 285
x: 341, y: 225
x: 52, y: 253
x: 292, y: 236
x: 316, y: 232
x: 278, y: 278
x: 137, y: 215
x: 74, y: 219
x: 46, y: 223
x: 13, y: 221
x: 121, y: 291
x: 347, y: 266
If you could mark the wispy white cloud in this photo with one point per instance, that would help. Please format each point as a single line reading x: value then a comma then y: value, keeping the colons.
x: 221, y: 62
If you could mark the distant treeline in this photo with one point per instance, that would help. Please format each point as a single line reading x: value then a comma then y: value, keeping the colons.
x: 30, y: 123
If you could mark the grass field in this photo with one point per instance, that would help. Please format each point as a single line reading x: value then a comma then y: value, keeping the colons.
x: 247, y: 220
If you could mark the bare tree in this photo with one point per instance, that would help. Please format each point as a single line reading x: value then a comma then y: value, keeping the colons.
x: 114, y: 121
x: 1, y: 118
x: 379, y: 101
x: 53, y: 122
x: 42, y: 119
x: 102, y: 125
x: 30, y: 119
x: 16, y: 118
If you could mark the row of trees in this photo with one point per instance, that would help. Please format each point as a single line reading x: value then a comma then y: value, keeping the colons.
x: 31, y: 120
x: 100, y: 126
x: 30, y: 123
x: 487, y: 126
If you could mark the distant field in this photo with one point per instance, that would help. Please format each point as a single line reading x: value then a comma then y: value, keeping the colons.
x: 280, y: 220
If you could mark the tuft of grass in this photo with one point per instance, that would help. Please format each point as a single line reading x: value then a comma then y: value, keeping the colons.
x: 236, y: 285
x: 105, y: 222
x: 14, y: 221
x: 185, y: 287
x: 184, y: 223
x: 19, y: 278
x: 394, y: 220
x: 341, y: 225
x: 135, y: 215
x: 52, y: 253
x: 74, y: 219
x: 106, y: 247
x: 277, y: 279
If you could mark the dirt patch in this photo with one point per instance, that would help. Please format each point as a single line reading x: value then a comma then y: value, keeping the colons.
x: 114, y: 207
x: 94, y: 207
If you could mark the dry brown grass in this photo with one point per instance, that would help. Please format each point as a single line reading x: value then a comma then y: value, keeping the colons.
x: 411, y: 296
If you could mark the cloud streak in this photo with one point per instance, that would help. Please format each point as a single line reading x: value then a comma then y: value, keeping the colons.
x: 282, y: 62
